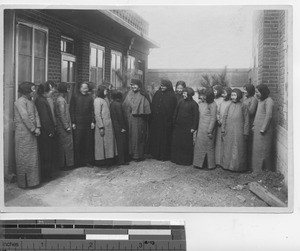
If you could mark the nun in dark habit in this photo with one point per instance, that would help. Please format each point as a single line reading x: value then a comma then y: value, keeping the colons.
x: 163, y: 106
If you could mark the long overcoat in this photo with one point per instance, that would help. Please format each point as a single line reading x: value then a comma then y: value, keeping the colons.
x: 261, y: 151
x: 186, y: 117
x: 161, y: 127
x: 26, y: 120
x: 205, y: 146
x: 65, y: 156
x: 105, y: 146
x: 47, y: 139
x: 235, y: 125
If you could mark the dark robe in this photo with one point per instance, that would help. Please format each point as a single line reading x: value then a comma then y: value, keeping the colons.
x: 163, y: 107
x: 118, y: 121
x: 186, y: 117
x: 178, y: 97
x: 82, y: 115
x: 46, y: 141
x: 137, y: 109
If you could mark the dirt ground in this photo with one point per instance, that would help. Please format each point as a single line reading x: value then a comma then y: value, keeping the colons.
x: 149, y: 183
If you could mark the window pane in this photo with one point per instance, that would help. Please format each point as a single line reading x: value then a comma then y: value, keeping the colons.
x: 62, y: 43
x: 93, y: 57
x: 71, y: 72
x: 39, y: 70
x: 40, y: 44
x: 69, y: 47
x: 113, y: 78
x: 64, y: 71
x: 25, y: 40
x: 113, y: 61
x: 100, y: 58
x: 118, y: 66
x: 100, y: 76
x: 24, y: 68
x: 93, y: 73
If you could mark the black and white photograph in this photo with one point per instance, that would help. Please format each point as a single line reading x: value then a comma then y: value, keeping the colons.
x: 179, y: 108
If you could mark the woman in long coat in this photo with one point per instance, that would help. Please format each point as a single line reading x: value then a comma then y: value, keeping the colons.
x: 180, y: 85
x: 136, y: 107
x: 186, y: 118
x: 218, y: 90
x: 120, y: 127
x: 235, y: 131
x: 163, y: 106
x: 105, y: 143
x: 251, y: 101
x: 65, y: 156
x: 205, y: 140
x: 219, y: 143
x: 262, y: 130
x: 83, y: 124
x: 47, y: 141
x: 27, y: 129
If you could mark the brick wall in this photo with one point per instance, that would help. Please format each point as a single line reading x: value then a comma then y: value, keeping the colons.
x: 270, y: 47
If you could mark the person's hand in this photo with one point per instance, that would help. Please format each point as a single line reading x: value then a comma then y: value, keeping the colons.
x: 102, y: 133
x: 73, y: 126
x: 92, y: 126
x: 192, y: 130
x: 219, y: 123
x: 51, y: 135
x: 262, y: 132
x: 37, y: 132
x: 210, y: 135
x: 123, y: 130
x: 68, y: 129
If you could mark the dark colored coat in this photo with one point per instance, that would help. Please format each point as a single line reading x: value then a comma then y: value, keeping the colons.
x: 47, y: 140
x: 161, y: 128
x: 178, y: 97
x: 82, y: 115
x: 118, y: 121
x: 186, y: 117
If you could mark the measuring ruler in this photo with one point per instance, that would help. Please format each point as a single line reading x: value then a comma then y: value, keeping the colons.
x: 71, y: 235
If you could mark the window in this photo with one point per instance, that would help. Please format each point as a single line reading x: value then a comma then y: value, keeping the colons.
x: 68, y: 60
x: 32, y: 53
x: 130, y: 69
x: 97, y: 57
x: 116, y: 69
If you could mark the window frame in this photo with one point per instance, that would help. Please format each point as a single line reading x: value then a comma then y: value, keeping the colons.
x: 117, y: 53
x: 97, y: 47
x: 34, y: 27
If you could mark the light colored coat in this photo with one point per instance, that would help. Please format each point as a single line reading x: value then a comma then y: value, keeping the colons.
x: 235, y: 125
x: 105, y: 147
x: 26, y: 147
x: 261, y: 151
x: 204, y: 145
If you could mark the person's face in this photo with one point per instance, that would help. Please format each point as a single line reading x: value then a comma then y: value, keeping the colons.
x: 257, y: 93
x: 33, y: 90
x: 105, y: 92
x: 215, y: 92
x: 202, y: 98
x: 135, y: 88
x: 84, y: 89
x: 184, y: 95
x: 163, y: 88
x: 179, y: 89
x: 246, y: 94
x: 234, y: 97
x: 224, y: 94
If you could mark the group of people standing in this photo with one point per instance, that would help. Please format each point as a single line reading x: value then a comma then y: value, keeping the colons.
x: 104, y: 127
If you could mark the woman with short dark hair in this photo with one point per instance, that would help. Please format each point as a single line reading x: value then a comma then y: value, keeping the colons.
x: 65, y: 157
x: 105, y: 143
x: 235, y: 131
x: 46, y: 141
x: 180, y: 85
x: 27, y: 129
x: 205, y: 139
x: 186, y: 118
x: 262, y: 130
